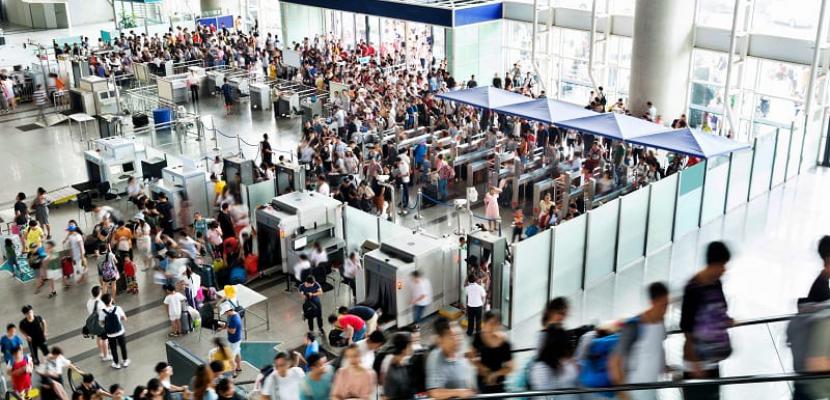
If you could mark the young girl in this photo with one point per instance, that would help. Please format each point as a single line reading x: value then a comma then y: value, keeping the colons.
x: 54, y: 271
x: 129, y: 273
x: 20, y: 371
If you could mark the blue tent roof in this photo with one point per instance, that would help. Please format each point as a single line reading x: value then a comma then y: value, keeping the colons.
x: 689, y: 142
x: 614, y: 126
x: 546, y: 110
x: 484, y: 97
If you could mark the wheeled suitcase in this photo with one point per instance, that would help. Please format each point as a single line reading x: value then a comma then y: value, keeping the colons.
x: 186, y: 320
x: 428, y: 192
x: 208, y: 276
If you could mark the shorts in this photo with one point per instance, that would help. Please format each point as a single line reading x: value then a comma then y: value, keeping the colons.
x: 359, y: 335
x: 54, y: 274
x: 236, y: 348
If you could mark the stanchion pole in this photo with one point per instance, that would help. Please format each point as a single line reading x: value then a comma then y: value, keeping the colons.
x: 418, y: 206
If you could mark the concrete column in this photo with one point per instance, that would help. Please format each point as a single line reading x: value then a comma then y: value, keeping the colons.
x: 210, y: 5
x: 660, y: 56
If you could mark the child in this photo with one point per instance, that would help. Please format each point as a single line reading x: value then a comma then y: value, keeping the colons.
x: 200, y: 226
x: 34, y: 235
x: 11, y: 256
x: 518, y: 224
x: 35, y: 258
x: 174, y: 301
x: 54, y: 271
x: 129, y: 273
x: 10, y: 342
x: 21, y: 372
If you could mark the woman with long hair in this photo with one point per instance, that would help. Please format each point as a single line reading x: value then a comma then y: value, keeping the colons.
x: 222, y: 353
x: 352, y: 380
x: 203, y: 384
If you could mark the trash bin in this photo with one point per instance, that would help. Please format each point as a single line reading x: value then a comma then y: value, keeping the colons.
x: 162, y: 116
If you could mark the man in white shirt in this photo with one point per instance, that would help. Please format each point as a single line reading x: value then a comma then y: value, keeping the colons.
x: 476, y: 296
x: 94, y: 305
x: 403, y: 173
x: 421, y: 296
x: 323, y: 186
x: 284, y: 382
x: 301, y: 265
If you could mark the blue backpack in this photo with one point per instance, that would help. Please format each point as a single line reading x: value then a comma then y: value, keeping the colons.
x: 238, y: 275
x: 593, y: 371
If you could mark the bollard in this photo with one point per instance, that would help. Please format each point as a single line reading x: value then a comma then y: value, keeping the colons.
x: 418, y: 209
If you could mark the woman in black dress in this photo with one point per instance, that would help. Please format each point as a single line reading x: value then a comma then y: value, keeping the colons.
x: 491, y: 354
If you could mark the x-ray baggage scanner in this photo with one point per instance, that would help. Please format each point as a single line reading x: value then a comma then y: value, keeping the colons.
x: 386, y: 282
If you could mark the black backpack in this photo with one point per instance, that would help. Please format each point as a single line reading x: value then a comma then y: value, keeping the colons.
x: 397, y: 383
x: 112, y: 324
x: 93, y: 327
x: 418, y: 370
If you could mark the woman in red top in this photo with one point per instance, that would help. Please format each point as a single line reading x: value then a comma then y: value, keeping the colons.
x: 21, y: 372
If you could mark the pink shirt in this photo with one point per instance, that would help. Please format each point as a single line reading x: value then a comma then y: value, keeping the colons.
x: 353, y: 383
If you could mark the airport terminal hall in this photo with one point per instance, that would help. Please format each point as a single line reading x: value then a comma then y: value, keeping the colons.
x: 414, y: 199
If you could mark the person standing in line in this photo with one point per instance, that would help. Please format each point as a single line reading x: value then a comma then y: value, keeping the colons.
x: 318, y: 380
x: 704, y: 321
x: 421, y: 297
x: 476, y: 296
x: 227, y: 95
x: 448, y: 373
x: 35, y: 330
x: 233, y: 324
x: 112, y: 318
x: 311, y: 292
x: 93, y: 305
x: 21, y: 216
x: 639, y: 356
x: 284, y: 382
x: 491, y: 354
x: 820, y: 290
x: 20, y: 370
x: 41, y: 207
x: 351, y: 267
x: 353, y: 380
x: 266, y: 153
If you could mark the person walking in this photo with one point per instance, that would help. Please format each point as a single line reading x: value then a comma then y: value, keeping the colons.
x: 39, y: 97
x: 112, y: 318
x: 704, y: 321
x: 353, y: 380
x: 421, y: 297
x: 40, y: 205
x: 639, y: 356
x: 318, y: 380
x: 233, y: 324
x: 9, y: 342
x: 820, y: 289
x: 311, y: 292
x: 284, y: 382
x: 75, y: 241
x: 35, y: 330
x: 448, y: 373
x: 93, y: 305
x: 476, y: 295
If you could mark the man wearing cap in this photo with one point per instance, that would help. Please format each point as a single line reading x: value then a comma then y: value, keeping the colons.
x: 233, y: 323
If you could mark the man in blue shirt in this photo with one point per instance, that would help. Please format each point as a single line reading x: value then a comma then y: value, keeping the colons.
x: 9, y: 342
x: 227, y: 94
x: 233, y: 323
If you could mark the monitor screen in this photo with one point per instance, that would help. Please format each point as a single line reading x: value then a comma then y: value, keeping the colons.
x: 128, y: 167
x: 116, y: 170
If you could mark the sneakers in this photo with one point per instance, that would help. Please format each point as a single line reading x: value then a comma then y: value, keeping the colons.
x: 115, y: 366
x: 125, y: 363
x: 106, y: 358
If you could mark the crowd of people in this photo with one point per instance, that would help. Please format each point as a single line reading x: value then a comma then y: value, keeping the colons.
x: 393, y: 91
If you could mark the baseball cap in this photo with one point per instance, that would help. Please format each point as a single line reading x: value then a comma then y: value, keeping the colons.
x: 224, y: 307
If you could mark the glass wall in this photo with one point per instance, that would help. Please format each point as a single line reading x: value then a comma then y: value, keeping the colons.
x: 714, y: 189
x: 568, y: 257
x: 633, y: 225
x: 472, y: 49
x: 661, y: 213
x: 689, y: 196
x: 600, y: 254
x: 762, y: 165
x: 532, y: 268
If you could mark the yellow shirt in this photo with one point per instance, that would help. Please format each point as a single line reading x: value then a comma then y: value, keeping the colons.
x: 219, y: 186
x: 219, y: 355
x: 34, y: 235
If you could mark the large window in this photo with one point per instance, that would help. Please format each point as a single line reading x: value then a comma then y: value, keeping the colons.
x: 784, y: 18
x: 715, y: 13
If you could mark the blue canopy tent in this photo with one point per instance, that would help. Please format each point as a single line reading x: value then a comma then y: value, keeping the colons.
x: 614, y: 126
x: 486, y: 97
x: 691, y: 143
x: 548, y: 111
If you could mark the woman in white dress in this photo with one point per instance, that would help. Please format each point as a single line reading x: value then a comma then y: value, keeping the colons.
x: 143, y: 243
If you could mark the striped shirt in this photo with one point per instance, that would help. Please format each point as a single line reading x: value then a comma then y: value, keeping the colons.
x: 39, y: 97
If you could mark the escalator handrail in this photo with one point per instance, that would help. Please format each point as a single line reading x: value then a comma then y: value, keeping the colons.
x: 748, y: 322
x: 732, y: 380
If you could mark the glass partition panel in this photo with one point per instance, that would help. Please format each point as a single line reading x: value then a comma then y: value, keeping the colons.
x: 359, y: 226
x: 689, y: 196
x: 714, y: 190
x: 531, y: 266
x: 794, y: 161
x: 812, y: 139
x: 762, y: 165
x: 739, y: 170
x: 601, y: 241
x: 568, y: 256
x: 633, y: 220
x: 389, y: 230
x: 661, y: 212
x: 779, y: 164
x: 260, y: 193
